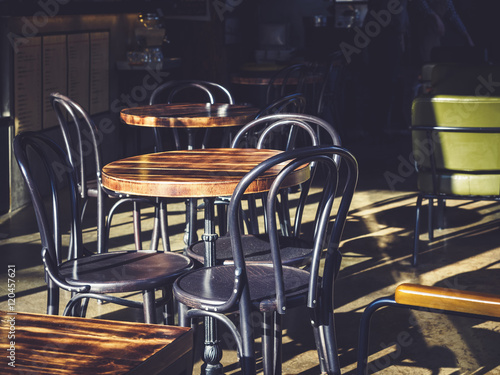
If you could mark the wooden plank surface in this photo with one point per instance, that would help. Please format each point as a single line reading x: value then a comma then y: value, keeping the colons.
x: 46, y: 344
x: 448, y: 299
x: 189, y: 115
x: 193, y: 173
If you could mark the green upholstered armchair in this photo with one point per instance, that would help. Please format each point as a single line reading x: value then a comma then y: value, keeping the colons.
x: 456, y: 147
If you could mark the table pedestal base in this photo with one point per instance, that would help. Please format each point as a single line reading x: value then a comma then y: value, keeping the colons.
x: 212, y: 353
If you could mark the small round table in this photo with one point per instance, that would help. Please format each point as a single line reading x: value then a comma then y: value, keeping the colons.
x: 189, y: 116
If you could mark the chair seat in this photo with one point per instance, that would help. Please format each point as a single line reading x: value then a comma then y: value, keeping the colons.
x: 125, y: 271
x: 461, y: 183
x: 295, y: 252
x: 214, y: 286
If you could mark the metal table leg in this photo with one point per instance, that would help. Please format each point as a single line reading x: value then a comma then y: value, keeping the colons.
x: 212, y: 353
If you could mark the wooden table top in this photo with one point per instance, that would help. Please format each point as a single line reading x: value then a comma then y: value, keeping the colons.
x: 193, y: 173
x: 188, y: 115
x: 48, y: 344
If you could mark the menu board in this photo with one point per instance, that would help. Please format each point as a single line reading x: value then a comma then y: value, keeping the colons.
x: 78, y: 68
x: 55, y: 78
x: 76, y: 65
x: 28, y: 85
x: 99, y: 72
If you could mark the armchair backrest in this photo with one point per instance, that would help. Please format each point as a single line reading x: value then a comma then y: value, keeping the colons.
x: 456, y: 135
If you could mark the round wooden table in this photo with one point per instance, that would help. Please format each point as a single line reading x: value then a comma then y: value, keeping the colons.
x: 192, y: 173
x: 204, y: 173
x: 188, y: 115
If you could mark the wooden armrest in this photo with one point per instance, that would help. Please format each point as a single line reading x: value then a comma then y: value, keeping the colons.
x: 448, y: 299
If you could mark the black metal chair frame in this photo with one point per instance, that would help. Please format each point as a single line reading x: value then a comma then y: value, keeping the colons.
x: 85, y: 132
x: 300, y: 249
x: 364, y: 328
x: 312, y: 291
x: 436, y: 194
x: 86, y: 276
x: 172, y: 88
x: 281, y: 84
x: 266, y: 126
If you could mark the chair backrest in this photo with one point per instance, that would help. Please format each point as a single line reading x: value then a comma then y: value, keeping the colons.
x: 457, y: 136
x: 193, y: 91
x: 293, y: 103
x: 324, y: 241
x: 289, y: 80
x: 46, y: 169
x: 261, y: 133
x: 262, y: 127
x: 212, y: 92
x: 82, y: 139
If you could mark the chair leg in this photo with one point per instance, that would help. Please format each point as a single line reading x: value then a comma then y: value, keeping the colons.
x: 137, y: 226
x: 267, y: 343
x: 417, y: 230
x: 247, y: 358
x: 430, y: 219
x: 164, y: 225
x: 155, y: 236
x: 182, y: 313
x: 320, y: 349
x: 441, y: 208
x: 329, y: 343
x: 271, y: 343
x: 364, y: 331
x: 191, y: 218
x: 52, y: 298
x: 148, y: 297
x: 222, y: 219
x: 101, y: 223
x: 169, y: 307
x: 277, y: 340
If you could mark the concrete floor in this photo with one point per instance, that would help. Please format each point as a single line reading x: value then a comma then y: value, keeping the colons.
x: 376, y: 246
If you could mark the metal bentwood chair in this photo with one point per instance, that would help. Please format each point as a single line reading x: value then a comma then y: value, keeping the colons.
x: 273, y: 288
x: 47, y: 170
x: 82, y: 140
x: 296, y: 249
x: 191, y: 91
x: 431, y: 299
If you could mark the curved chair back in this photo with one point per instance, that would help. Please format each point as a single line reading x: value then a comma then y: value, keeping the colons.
x: 215, y: 93
x: 258, y: 125
x: 293, y: 103
x: 286, y: 81
x: 259, y: 134
x: 81, y: 138
x: 197, y: 91
x: 290, y: 161
x: 40, y: 156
